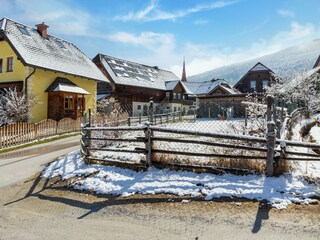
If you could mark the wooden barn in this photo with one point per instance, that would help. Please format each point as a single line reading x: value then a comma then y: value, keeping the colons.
x: 134, y: 85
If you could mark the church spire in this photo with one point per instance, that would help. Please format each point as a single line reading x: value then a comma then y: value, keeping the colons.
x: 184, y: 75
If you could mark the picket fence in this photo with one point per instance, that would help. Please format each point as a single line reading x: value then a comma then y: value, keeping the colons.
x: 20, y: 133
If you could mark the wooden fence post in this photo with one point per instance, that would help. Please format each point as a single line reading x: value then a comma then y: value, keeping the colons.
x: 151, y: 111
x: 129, y: 121
x: 148, y: 134
x: 270, y: 137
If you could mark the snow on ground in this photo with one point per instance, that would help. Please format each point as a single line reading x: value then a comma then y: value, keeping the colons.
x: 279, y: 191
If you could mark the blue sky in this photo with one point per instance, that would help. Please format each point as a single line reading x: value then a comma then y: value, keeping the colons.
x: 208, y: 34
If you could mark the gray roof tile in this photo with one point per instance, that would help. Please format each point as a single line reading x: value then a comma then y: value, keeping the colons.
x: 134, y: 74
x: 48, y: 52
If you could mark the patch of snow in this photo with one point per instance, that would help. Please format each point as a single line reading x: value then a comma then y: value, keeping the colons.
x: 279, y: 191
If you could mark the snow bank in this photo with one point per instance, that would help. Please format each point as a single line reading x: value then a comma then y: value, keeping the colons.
x: 279, y: 191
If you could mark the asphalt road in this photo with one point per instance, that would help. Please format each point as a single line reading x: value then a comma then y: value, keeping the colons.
x: 19, y: 165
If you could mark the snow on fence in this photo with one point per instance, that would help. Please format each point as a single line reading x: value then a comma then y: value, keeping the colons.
x: 20, y: 133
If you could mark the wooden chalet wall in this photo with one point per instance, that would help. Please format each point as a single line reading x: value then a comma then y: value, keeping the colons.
x: 244, y: 85
x: 128, y: 94
x: 56, y: 106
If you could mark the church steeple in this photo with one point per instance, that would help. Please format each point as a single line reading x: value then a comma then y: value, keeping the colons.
x: 184, y: 75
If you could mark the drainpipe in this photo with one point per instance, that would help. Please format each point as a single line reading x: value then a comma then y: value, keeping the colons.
x: 26, y: 82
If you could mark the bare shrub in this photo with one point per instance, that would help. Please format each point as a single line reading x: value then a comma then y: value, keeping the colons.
x: 14, y: 106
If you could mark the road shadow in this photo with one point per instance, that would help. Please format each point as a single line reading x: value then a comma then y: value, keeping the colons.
x: 269, y: 187
x: 40, y: 189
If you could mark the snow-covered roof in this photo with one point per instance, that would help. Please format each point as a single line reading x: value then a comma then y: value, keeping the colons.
x: 259, y: 67
x: 204, y: 88
x: 67, y: 88
x: 2, y: 24
x: 192, y: 86
x: 226, y: 88
x: 49, y: 53
x: 134, y: 74
x: 65, y: 85
x: 171, y: 85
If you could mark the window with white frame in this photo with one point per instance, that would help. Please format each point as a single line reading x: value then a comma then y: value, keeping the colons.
x: 265, y: 84
x: 253, y: 84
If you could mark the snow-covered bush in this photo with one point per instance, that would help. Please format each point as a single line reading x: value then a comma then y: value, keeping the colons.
x: 14, y: 106
x: 300, y: 89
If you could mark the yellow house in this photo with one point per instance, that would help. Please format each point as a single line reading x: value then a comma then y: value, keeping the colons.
x: 61, y: 78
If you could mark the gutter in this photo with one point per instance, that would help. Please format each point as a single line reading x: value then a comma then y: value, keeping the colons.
x: 26, y: 82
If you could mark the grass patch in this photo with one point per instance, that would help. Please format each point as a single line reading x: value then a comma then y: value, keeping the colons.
x: 37, y: 142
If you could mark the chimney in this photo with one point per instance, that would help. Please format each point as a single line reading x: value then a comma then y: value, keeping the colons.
x: 42, y: 29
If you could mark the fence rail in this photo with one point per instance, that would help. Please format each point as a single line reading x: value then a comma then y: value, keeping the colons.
x: 20, y: 133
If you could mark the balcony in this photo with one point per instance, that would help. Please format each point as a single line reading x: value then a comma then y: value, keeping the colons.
x: 182, y: 101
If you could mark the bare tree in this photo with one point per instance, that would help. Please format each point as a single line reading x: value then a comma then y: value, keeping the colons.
x: 14, y: 106
x: 302, y: 88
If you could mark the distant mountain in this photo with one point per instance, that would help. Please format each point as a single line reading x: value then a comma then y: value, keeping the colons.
x: 290, y: 60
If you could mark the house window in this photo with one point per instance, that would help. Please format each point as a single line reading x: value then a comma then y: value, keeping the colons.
x: 23, y: 30
x: 60, y: 44
x: 183, y: 96
x: 139, y: 107
x: 174, y: 95
x: 265, y: 84
x: 10, y: 64
x: 253, y: 84
x: 175, y: 109
x: 68, y: 102
x: 1, y: 61
x: 179, y: 96
x: 167, y: 94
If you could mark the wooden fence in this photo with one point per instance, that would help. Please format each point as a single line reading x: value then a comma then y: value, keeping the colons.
x: 159, y: 118
x: 234, y: 148
x: 20, y: 133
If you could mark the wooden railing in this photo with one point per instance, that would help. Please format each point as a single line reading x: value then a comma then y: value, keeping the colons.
x: 20, y: 133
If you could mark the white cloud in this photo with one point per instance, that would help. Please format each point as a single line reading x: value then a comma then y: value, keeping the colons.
x: 65, y: 18
x: 202, y: 58
x: 149, y: 40
x: 286, y: 13
x: 152, y: 13
x: 200, y: 22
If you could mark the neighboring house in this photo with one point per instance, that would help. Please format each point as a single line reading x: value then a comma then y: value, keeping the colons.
x: 177, y: 95
x: 61, y: 77
x: 257, y: 79
x: 220, y: 99
x: 134, y: 85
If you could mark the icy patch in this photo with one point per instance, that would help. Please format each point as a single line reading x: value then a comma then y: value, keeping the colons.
x: 279, y: 191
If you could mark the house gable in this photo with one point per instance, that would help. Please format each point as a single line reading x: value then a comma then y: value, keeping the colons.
x: 255, y: 80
